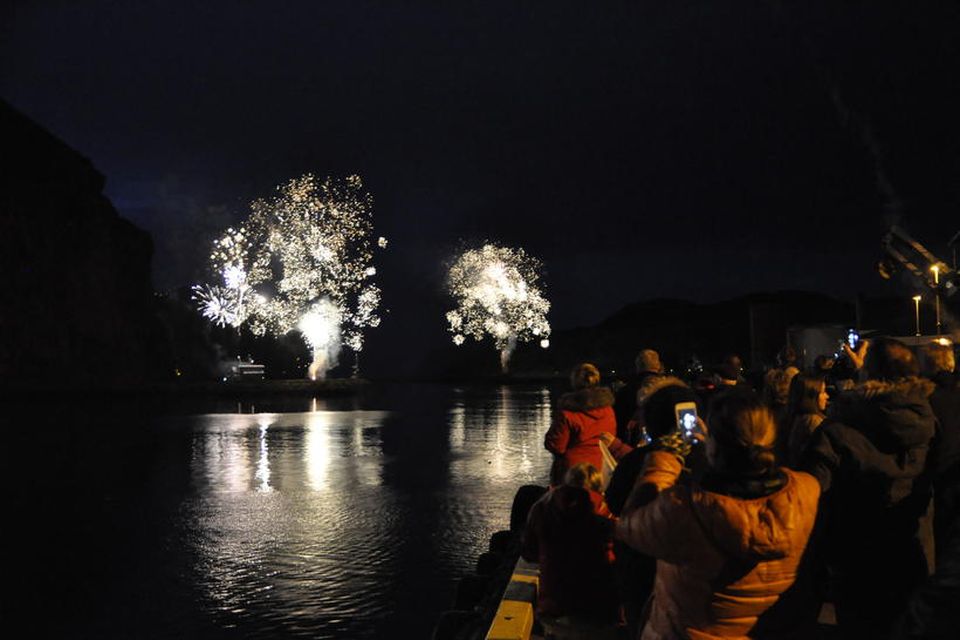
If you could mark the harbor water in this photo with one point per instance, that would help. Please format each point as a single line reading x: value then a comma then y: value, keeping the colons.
x: 339, y: 518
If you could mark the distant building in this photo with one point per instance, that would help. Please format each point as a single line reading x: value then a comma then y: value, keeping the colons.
x: 237, y: 370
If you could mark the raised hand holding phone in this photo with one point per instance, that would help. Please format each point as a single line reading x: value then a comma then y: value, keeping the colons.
x: 687, y: 420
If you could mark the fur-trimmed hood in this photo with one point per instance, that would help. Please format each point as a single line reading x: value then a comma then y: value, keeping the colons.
x: 897, y: 412
x: 586, y: 400
x: 653, y: 384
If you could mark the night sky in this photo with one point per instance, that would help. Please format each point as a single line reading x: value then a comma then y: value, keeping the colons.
x: 693, y: 150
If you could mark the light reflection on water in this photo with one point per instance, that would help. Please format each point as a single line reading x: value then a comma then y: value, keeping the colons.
x: 351, y: 523
x: 346, y: 518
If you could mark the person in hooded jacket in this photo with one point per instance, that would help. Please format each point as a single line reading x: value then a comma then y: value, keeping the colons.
x: 568, y: 535
x: 648, y: 366
x: 870, y: 457
x: 583, y: 419
x: 945, y: 464
x: 729, y: 548
x: 656, y: 417
x: 932, y: 613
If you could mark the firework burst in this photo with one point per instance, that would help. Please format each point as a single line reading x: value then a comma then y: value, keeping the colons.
x: 216, y: 304
x: 224, y: 304
x: 496, y: 293
x: 301, y: 256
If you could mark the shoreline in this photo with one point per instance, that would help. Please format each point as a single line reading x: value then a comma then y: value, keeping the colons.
x: 319, y: 388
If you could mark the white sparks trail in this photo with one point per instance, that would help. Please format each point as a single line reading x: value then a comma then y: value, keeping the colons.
x: 496, y: 293
x: 301, y: 261
x: 216, y: 303
x: 320, y: 327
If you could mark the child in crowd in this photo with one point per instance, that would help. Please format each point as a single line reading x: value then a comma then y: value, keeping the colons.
x: 587, y: 476
x: 569, y: 533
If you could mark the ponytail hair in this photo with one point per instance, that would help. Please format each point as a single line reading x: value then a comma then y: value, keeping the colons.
x: 744, y: 434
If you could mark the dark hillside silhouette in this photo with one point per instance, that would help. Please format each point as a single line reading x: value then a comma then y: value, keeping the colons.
x: 76, y: 297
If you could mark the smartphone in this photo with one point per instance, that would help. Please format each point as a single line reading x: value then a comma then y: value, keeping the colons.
x: 686, y: 413
x: 853, y: 339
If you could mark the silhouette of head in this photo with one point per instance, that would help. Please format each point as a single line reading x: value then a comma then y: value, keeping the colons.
x: 890, y: 359
x: 584, y: 375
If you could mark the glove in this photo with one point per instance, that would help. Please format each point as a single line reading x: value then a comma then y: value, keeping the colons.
x: 674, y: 443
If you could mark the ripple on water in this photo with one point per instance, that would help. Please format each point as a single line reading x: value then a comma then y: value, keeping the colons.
x: 311, y: 525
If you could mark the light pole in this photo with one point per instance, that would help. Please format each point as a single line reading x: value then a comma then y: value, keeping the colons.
x: 936, y: 280
x: 916, y: 302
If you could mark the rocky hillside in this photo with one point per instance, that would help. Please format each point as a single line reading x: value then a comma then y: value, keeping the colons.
x: 76, y: 302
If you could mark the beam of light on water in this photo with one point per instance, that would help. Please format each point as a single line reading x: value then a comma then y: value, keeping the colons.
x: 286, y: 507
x: 504, y: 463
x: 508, y: 427
x: 227, y: 462
x: 263, y: 463
x: 317, y: 449
x: 269, y: 548
x: 458, y: 427
x: 531, y: 447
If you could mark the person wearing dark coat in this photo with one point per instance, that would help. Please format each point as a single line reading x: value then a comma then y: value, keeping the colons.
x: 933, y: 612
x: 634, y: 570
x: 658, y: 418
x: 945, y: 402
x: 648, y: 365
x: 727, y: 376
x: 870, y: 457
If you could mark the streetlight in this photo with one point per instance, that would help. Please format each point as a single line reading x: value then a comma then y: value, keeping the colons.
x: 916, y: 301
x: 936, y: 280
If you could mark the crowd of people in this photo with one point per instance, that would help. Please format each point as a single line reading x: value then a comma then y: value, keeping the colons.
x: 812, y: 489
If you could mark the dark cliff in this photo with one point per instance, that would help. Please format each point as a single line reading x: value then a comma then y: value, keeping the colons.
x: 76, y: 303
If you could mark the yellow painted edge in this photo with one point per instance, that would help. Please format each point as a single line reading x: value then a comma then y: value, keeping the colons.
x: 514, y: 621
x: 518, y: 577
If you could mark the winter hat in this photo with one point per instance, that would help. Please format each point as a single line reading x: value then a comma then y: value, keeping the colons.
x: 648, y: 360
x: 584, y: 375
x: 658, y: 412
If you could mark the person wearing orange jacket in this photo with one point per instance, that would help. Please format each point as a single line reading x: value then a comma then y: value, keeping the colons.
x: 730, y: 548
x: 583, y: 419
